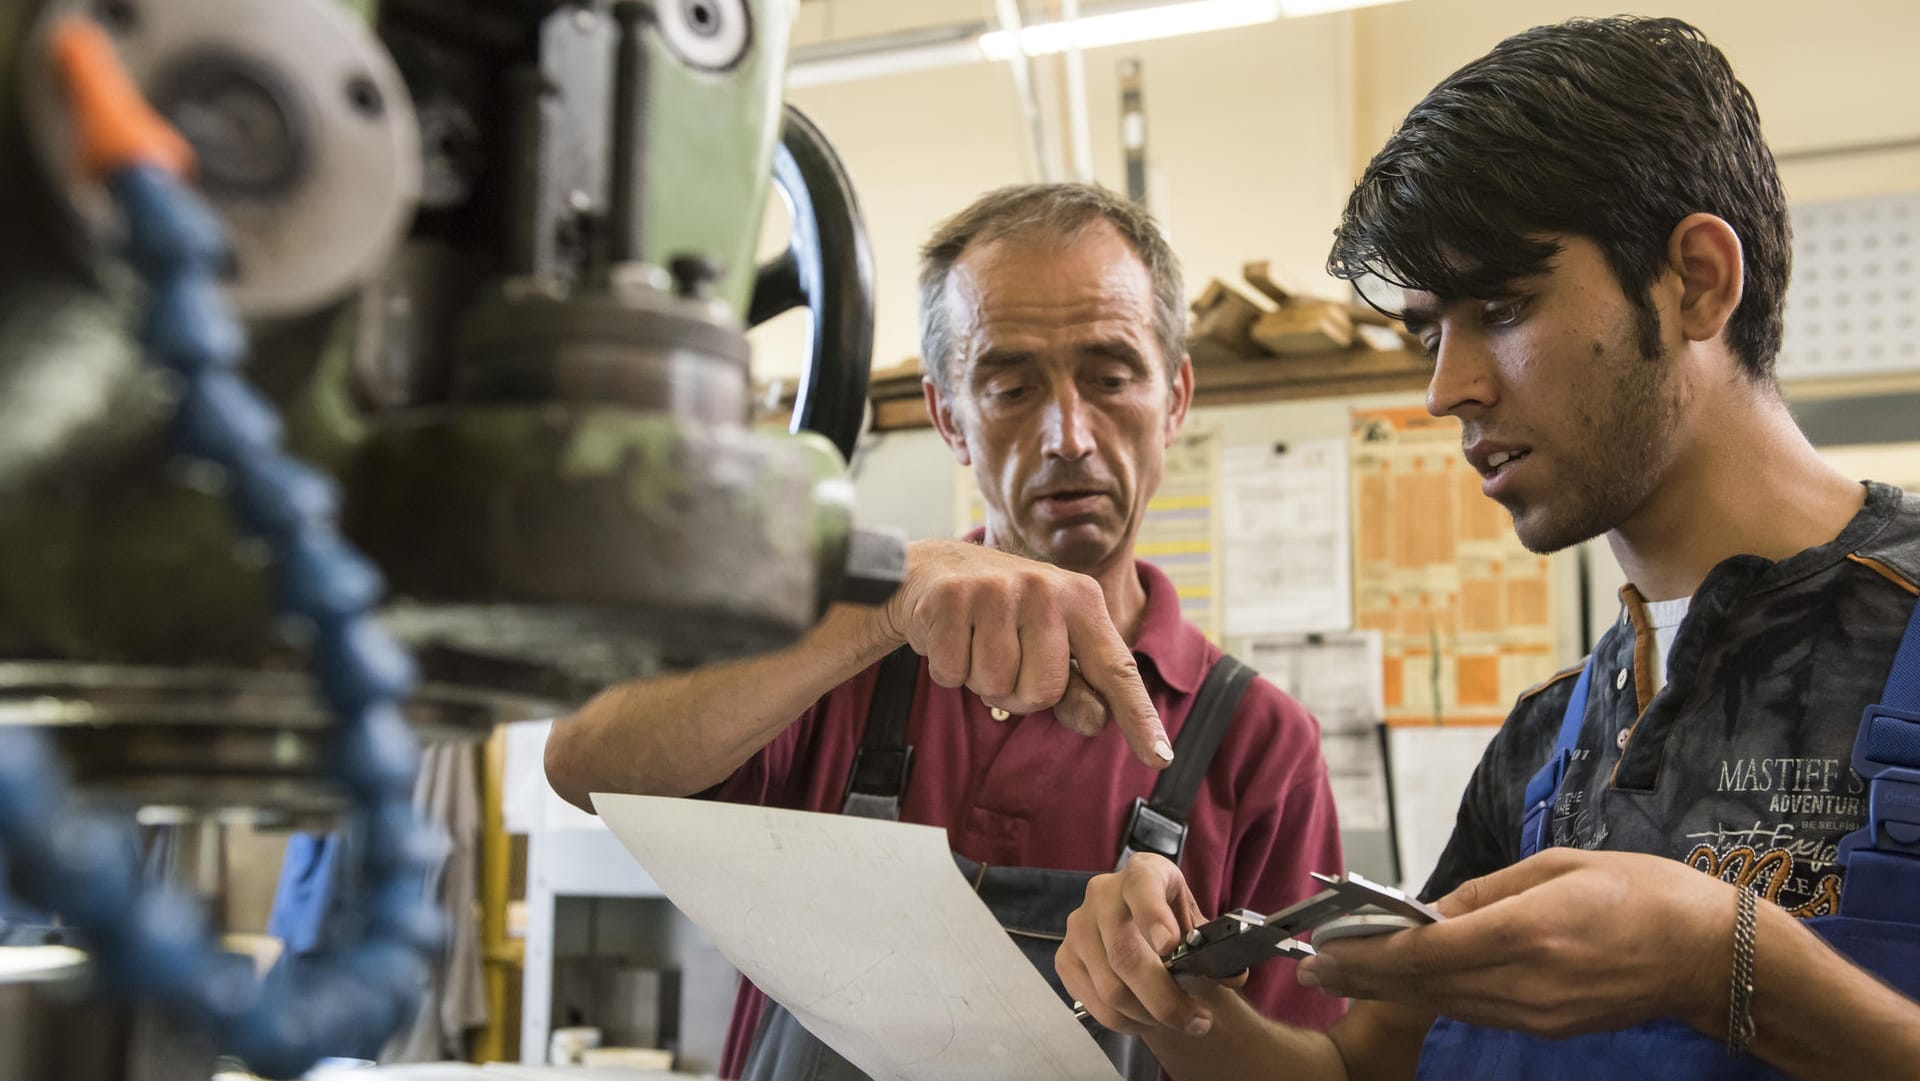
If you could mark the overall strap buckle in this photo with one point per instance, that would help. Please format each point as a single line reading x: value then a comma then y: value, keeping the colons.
x: 1883, y: 858
x: 1149, y: 830
x: 1536, y: 827
x: 1886, y: 754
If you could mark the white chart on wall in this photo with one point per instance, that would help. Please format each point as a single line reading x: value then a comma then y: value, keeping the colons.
x: 1853, y: 306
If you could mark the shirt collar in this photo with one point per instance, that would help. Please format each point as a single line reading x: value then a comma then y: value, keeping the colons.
x: 1176, y: 647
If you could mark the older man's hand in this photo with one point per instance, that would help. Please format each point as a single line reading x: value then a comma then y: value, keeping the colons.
x: 1024, y: 636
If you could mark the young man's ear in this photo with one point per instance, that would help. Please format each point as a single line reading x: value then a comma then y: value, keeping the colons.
x: 940, y: 409
x: 1182, y: 398
x: 1705, y: 252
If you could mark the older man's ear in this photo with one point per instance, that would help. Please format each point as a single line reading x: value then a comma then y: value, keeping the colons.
x: 940, y: 411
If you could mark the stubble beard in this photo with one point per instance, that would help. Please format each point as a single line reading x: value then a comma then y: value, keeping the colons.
x: 1618, y: 457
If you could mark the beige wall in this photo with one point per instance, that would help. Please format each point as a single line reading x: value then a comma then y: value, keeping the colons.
x: 1823, y: 74
x: 1256, y: 134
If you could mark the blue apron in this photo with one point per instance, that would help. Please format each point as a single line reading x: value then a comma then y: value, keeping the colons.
x: 1877, y: 926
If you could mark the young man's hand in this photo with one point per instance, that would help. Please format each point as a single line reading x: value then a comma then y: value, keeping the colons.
x: 1562, y: 943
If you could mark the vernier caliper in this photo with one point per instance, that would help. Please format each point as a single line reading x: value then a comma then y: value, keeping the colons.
x: 1350, y: 906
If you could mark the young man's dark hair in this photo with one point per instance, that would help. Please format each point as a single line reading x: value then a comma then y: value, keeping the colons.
x: 1612, y: 129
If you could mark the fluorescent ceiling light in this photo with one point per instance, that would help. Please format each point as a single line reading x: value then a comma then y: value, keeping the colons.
x: 1094, y: 31
x: 1126, y: 27
x: 1292, y: 8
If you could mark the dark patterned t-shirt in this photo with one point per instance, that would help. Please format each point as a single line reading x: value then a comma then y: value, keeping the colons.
x: 1740, y: 765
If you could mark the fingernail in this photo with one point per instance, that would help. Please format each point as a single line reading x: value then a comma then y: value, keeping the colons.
x: 1164, y: 749
x: 1199, y: 1025
x: 1159, y: 941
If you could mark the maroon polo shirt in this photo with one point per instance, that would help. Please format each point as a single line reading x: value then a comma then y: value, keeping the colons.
x: 1027, y: 792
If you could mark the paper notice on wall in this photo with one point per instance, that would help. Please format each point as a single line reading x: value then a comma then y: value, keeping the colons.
x: 1287, y: 566
x: 1180, y: 532
x: 1337, y: 677
x: 1430, y: 769
x: 1464, y: 610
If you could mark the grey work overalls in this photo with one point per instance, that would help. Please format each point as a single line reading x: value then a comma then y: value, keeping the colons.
x: 1032, y: 903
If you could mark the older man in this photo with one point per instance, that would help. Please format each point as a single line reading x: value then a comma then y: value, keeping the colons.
x: 1053, y: 328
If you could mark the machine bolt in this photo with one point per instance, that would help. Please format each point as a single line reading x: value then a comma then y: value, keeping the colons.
x: 693, y: 275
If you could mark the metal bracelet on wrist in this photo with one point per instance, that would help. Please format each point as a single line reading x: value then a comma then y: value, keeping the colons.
x: 1740, y: 1031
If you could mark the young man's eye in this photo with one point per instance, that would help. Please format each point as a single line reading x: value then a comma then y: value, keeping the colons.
x: 1504, y: 312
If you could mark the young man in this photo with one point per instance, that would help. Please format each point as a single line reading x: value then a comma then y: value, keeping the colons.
x: 1053, y: 324
x: 1594, y: 246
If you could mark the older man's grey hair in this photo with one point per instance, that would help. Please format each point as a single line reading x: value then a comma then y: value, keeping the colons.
x: 1030, y: 211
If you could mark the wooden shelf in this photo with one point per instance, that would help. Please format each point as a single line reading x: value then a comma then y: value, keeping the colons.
x: 1262, y: 379
x: 898, y: 404
x: 1317, y: 375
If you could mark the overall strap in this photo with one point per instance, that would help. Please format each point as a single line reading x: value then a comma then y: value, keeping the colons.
x: 1883, y: 858
x: 1159, y: 822
x: 1536, y: 831
x: 879, y: 775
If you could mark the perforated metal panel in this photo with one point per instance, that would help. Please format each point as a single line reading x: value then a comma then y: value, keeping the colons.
x: 1854, y: 304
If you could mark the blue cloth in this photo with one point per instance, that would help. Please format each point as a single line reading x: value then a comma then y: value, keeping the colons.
x: 308, y: 892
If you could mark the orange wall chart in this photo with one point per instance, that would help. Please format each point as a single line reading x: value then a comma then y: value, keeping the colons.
x: 1464, y: 610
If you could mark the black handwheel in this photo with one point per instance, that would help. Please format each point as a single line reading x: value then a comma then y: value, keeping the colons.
x: 829, y: 268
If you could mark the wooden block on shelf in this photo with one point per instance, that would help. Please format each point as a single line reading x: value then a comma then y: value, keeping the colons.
x: 1308, y: 368
x: 1259, y: 274
x: 1222, y: 321
x: 1207, y: 353
x: 1305, y: 326
x: 1366, y: 315
x: 1384, y: 339
x: 1362, y: 312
